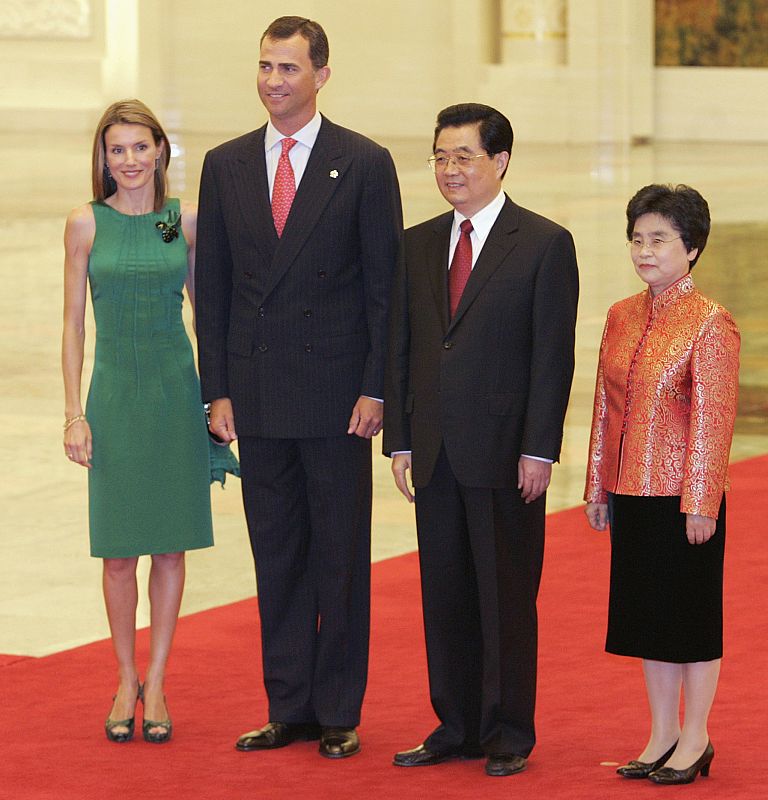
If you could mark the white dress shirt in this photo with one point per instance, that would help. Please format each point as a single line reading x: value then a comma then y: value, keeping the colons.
x: 482, y: 222
x: 298, y: 154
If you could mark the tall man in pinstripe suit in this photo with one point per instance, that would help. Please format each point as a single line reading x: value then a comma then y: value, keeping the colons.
x: 291, y: 322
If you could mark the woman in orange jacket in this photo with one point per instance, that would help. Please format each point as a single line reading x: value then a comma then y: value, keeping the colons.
x: 665, y: 404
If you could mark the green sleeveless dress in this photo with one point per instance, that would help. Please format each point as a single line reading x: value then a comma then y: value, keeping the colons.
x: 149, y: 486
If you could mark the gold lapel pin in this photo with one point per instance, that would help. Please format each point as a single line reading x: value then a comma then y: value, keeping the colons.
x: 334, y: 173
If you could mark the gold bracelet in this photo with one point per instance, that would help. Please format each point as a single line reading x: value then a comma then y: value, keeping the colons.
x: 68, y: 423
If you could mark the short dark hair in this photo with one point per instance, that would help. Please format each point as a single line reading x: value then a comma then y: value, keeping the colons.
x: 285, y: 27
x: 495, y: 129
x: 683, y: 207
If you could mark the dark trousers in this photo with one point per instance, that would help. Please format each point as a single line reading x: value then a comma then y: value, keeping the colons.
x: 481, y: 554
x: 308, y: 507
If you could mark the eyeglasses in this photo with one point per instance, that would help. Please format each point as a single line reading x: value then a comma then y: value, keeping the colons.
x: 656, y: 244
x: 461, y: 160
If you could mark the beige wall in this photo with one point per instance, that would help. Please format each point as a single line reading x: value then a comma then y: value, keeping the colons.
x: 394, y: 63
x: 391, y: 62
x: 58, y: 75
x: 711, y: 103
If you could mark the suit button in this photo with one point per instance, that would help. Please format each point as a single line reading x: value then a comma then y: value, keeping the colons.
x: 307, y: 312
x: 248, y: 274
x: 260, y: 311
x: 321, y: 273
x: 263, y: 348
x: 447, y: 345
x: 307, y: 348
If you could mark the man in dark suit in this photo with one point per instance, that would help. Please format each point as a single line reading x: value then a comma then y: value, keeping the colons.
x: 298, y: 229
x: 478, y: 377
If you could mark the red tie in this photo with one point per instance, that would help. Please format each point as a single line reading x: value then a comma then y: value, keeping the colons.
x: 461, y: 266
x: 284, y: 189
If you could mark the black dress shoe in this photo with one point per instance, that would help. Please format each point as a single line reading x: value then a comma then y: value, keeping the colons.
x: 669, y: 776
x: 422, y: 756
x: 501, y: 764
x: 339, y: 742
x: 642, y: 769
x: 277, y: 734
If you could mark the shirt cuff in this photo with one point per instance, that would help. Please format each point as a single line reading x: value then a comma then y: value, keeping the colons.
x: 538, y: 458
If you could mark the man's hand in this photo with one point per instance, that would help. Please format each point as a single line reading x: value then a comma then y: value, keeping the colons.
x: 401, y: 466
x: 699, y: 529
x: 222, y: 420
x: 366, y: 419
x: 597, y: 514
x: 533, y: 477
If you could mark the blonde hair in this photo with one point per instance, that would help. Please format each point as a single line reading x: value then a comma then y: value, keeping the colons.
x: 128, y: 112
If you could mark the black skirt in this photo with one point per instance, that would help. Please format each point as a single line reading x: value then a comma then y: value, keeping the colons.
x: 666, y: 601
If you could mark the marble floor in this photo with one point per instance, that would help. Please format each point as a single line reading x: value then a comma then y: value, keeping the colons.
x: 50, y: 597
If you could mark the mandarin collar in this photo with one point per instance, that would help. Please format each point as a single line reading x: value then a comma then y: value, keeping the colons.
x: 679, y: 289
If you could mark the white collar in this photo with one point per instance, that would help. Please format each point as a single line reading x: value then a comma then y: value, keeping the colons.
x: 483, y: 220
x: 306, y: 135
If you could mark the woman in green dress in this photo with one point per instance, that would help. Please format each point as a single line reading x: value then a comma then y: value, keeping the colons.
x: 142, y: 436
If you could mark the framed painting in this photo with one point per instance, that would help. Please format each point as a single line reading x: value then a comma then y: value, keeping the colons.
x: 712, y: 33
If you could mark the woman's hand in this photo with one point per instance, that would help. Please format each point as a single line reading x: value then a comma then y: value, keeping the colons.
x: 78, y: 445
x: 597, y: 514
x: 699, y: 529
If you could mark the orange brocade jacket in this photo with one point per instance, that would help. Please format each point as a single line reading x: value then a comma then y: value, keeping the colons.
x: 665, y: 399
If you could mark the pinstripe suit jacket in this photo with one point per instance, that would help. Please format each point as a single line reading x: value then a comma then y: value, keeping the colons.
x: 293, y: 329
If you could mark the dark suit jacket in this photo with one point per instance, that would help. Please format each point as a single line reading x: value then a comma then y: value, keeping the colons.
x: 293, y: 329
x: 493, y: 383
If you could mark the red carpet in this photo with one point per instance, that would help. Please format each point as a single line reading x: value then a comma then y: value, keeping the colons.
x: 591, y: 705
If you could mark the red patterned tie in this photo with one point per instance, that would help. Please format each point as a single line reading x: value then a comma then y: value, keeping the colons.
x: 461, y: 266
x: 284, y: 189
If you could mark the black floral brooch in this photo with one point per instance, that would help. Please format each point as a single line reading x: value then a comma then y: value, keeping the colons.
x: 169, y: 228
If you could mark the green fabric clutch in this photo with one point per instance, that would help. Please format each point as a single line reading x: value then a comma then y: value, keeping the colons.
x: 223, y: 461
